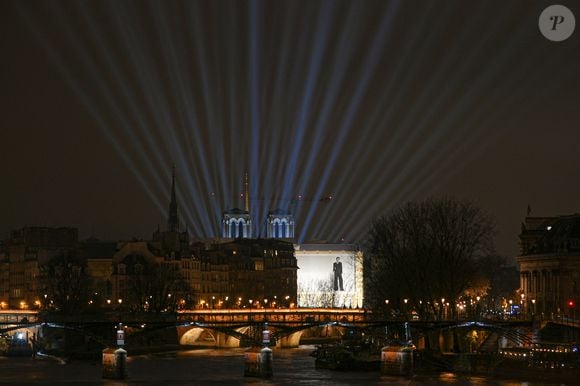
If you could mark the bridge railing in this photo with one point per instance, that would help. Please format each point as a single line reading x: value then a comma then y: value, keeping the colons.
x: 298, y: 315
x: 18, y: 316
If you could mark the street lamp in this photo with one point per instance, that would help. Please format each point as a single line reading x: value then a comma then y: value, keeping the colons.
x: 572, y: 310
x: 477, y: 307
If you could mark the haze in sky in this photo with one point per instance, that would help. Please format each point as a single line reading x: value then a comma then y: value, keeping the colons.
x: 339, y: 111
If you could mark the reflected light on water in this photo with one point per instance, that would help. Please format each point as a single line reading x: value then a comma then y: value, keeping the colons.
x: 208, y: 366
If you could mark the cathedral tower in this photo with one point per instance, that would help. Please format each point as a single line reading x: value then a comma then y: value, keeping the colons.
x: 280, y: 224
x: 237, y: 223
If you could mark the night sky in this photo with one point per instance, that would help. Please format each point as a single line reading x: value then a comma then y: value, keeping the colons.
x: 339, y: 111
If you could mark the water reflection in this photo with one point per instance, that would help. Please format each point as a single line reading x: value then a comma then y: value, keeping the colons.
x: 210, y: 366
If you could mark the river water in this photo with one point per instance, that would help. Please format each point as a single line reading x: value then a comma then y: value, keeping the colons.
x: 218, y: 366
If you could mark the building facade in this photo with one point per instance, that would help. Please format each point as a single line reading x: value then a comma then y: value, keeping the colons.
x: 22, y: 256
x: 166, y: 272
x: 549, y: 265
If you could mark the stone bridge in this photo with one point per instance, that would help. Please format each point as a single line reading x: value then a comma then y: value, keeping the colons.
x: 232, y: 328
x: 235, y: 327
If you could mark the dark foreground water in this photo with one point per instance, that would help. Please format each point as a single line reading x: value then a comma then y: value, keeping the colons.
x: 223, y: 367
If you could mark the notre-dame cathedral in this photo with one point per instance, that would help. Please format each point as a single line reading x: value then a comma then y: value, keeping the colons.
x: 237, y: 223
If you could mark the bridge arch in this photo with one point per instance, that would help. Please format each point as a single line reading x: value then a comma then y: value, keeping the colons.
x: 457, y: 336
x: 281, y: 334
x: 23, y: 333
x: 511, y: 334
x: 205, y: 336
x: 214, y: 336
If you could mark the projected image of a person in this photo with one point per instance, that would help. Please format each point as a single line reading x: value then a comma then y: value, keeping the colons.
x: 337, y: 269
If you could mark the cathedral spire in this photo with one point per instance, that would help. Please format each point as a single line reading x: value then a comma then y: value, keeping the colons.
x: 172, y: 219
x: 246, y: 194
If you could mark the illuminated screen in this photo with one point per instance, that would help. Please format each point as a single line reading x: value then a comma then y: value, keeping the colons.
x: 326, y: 276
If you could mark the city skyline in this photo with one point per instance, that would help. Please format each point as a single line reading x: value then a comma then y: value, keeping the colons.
x: 338, y: 111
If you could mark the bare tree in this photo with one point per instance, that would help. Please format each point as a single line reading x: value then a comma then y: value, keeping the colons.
x: 156, y: 287
x: 424, y: 252
x: 66, y: 283
x: 320, y: 292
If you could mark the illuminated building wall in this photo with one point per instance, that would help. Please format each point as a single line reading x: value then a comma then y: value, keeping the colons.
x: 549, y: 265
x: 280, y: 225
x: 237, y: 223
x: 318, y: 281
